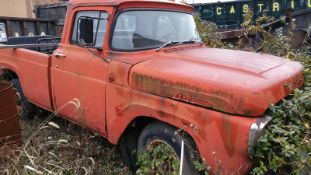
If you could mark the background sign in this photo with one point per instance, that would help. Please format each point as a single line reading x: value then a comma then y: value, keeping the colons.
x: 230, y: 14
x: 3, y: 36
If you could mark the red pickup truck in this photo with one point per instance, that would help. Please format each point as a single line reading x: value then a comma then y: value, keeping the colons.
x: 136, y: 72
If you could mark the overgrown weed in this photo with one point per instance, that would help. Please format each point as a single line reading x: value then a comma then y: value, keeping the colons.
x: 56, y: 146
x: 285, y: 148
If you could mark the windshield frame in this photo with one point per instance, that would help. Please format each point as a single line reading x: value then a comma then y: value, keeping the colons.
x: 118, y: 13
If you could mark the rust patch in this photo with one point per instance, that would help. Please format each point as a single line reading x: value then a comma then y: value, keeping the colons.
x: 118, y: 73
x: 184, y: 92
x: 111, y: 78
x: 162, y: 107
x: 226, y: 130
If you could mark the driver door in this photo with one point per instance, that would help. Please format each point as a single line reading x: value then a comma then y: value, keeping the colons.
x: 79, y: 73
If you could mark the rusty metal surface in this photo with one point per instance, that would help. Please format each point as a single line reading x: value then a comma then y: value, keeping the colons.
x: 10, y: 132
x: 235, y: 34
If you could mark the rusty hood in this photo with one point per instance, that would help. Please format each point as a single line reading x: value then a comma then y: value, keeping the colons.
x: 234, y: 82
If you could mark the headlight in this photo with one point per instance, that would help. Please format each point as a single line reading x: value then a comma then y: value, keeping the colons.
x: 256, y: 130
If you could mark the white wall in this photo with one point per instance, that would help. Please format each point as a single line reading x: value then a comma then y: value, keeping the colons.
x: 13, y: 8
x: 21, y: 8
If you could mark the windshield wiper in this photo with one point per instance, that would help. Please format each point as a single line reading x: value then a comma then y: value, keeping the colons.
x: 190, y: 41
x: 169, y: 43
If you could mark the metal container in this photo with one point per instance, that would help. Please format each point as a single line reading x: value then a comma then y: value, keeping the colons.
x: 303, y: 24
x: 17, y: 27
x: 10, y: 131
x: 55, y: 12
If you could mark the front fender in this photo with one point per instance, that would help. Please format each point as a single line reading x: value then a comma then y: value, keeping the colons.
x: 219, y: 137
x: 125, y: 105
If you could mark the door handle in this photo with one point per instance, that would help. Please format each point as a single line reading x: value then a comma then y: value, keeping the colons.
x: 60, y: 55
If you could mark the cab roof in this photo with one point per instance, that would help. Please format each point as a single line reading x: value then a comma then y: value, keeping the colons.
x: 119, y: 2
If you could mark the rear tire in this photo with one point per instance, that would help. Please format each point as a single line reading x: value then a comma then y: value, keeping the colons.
x: 28, y: 109
x: 163, y: 133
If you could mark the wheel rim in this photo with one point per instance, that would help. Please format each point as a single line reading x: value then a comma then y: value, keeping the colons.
x: 157, y: 142
x: 164, y: 156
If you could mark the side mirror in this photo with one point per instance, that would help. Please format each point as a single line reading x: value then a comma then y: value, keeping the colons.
x: 86, y: 32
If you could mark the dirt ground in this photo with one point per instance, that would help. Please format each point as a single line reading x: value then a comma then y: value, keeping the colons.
x: 56, y: 146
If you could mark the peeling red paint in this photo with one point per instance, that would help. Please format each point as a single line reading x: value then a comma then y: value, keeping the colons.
x: 214, y: 83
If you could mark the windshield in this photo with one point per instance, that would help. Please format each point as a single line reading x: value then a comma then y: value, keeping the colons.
x: 139, y: 30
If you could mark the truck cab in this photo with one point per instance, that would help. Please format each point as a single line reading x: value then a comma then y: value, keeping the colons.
x: 137, y: 73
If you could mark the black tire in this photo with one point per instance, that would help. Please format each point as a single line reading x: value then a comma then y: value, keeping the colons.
x: 128, y: 148
x: 28, y: 109
x: 166, y: 133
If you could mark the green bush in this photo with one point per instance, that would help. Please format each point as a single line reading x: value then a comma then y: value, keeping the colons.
x: 285, y: 147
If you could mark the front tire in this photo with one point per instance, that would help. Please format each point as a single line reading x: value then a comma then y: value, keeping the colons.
x: 159, y: 133
x: 28, y: 110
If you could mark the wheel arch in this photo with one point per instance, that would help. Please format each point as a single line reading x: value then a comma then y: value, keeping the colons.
x: 140, y: 122
x: 10, y: 72
x: 128, y: 140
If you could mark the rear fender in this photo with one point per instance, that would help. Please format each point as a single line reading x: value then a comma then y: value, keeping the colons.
x: 32, y: 69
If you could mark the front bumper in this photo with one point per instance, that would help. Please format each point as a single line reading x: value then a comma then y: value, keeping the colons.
x: 256, y: 131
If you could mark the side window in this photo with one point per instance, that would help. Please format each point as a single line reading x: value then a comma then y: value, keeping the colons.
x: 124, y: 31
x: 99, y: 28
